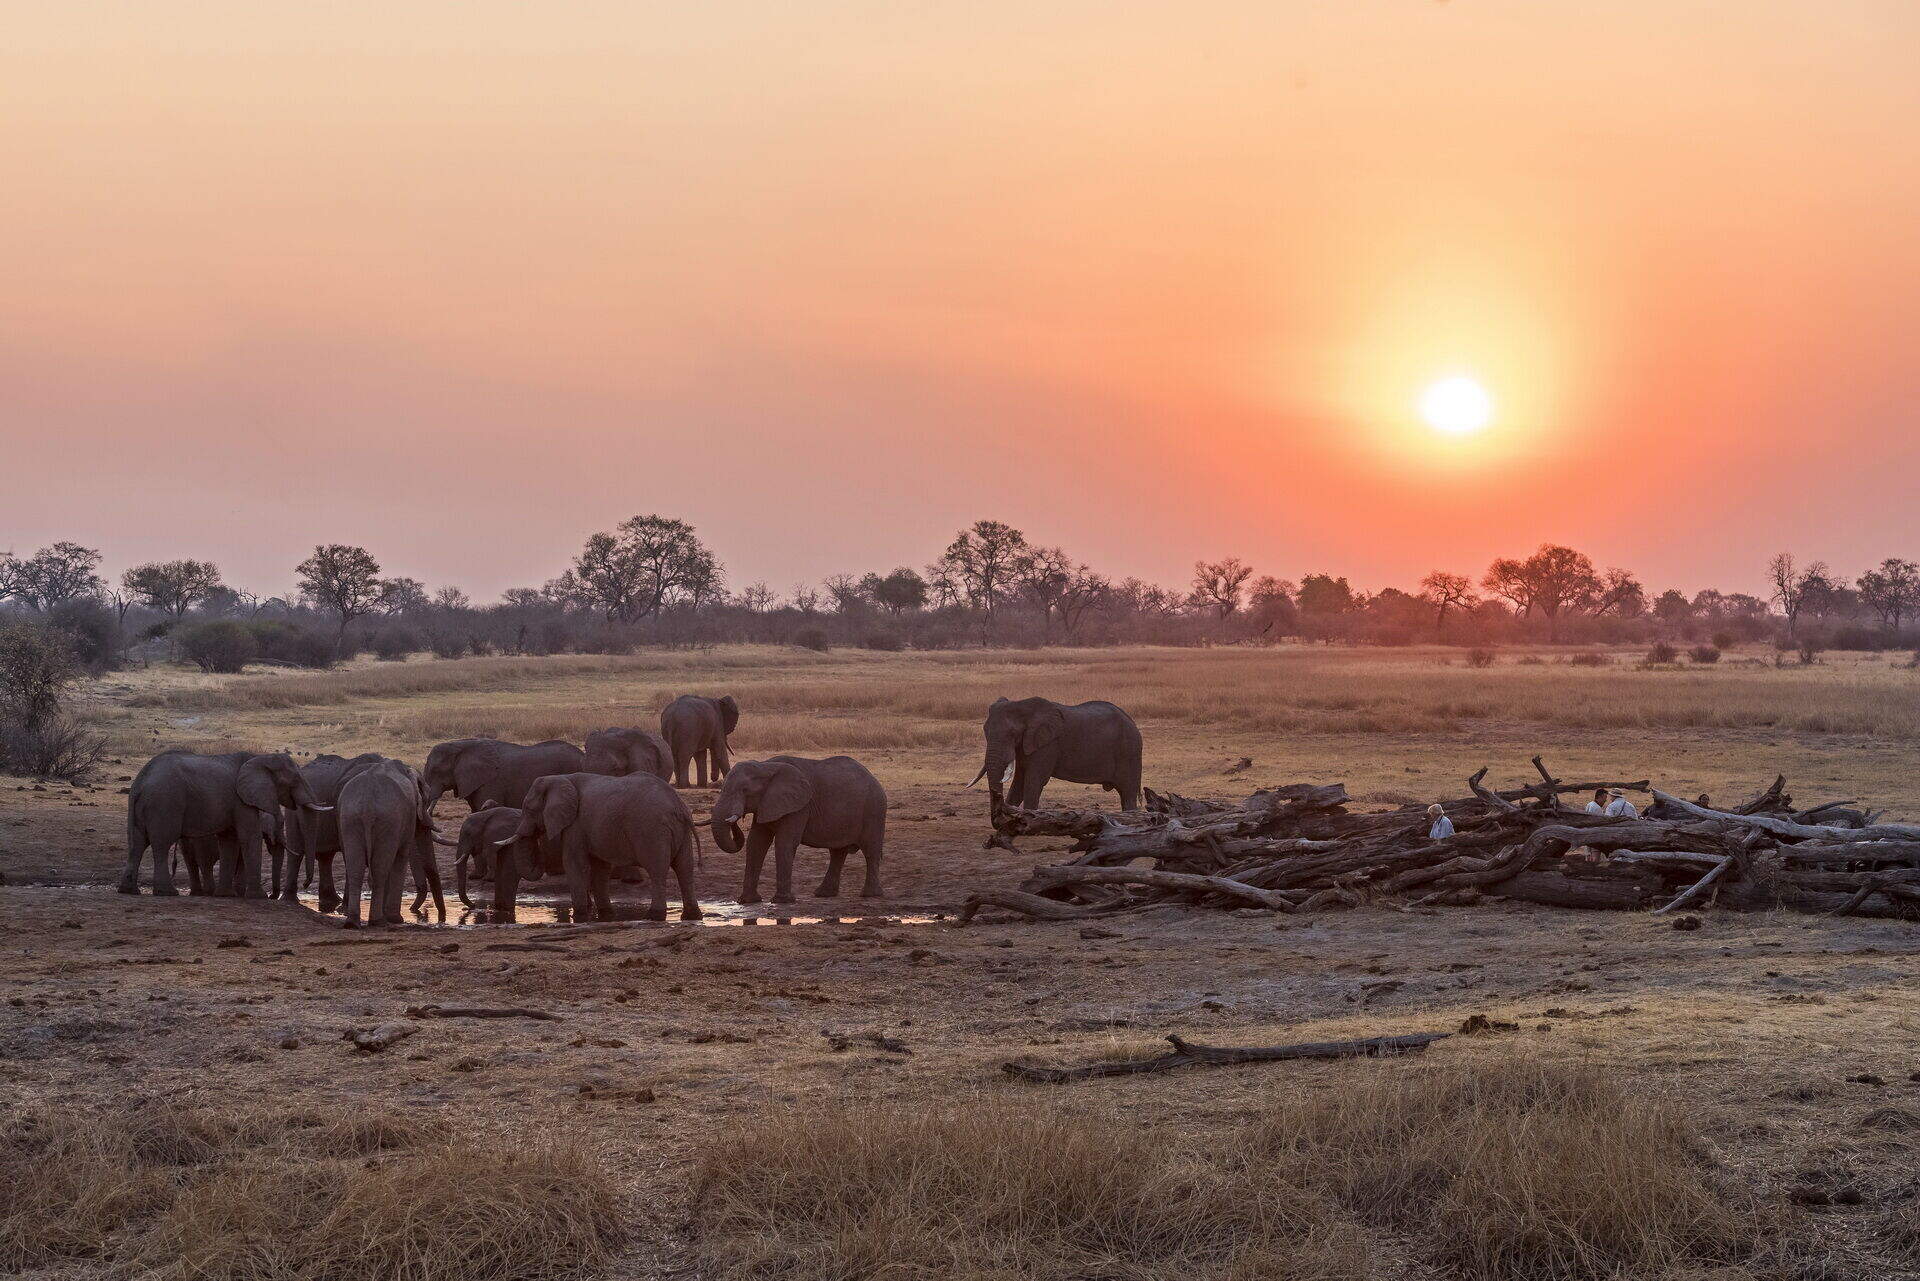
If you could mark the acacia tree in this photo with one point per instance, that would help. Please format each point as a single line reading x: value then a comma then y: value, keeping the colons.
x: 647, y: 563
x: 1550, y: 581
x: 1794, y: 588
x: 1892, y: 591
x: 51, y: 576
x: 172, y: 586
x: 1445, y: 591
x: 1270, y: 601
x: 1619, y: 593
x: 981, y: 565
x: 902, y: 589
x: 343, y: 580
x: 1218, y: 585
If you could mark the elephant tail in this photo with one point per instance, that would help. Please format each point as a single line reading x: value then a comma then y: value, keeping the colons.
x: 699, y: 850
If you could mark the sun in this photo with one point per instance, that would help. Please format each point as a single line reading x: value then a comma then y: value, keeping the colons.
x: 1456, y: 405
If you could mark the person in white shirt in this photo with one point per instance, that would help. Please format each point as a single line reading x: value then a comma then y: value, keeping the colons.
x: 1598, y: 805
x: 1442, y: 825
x: 1622, y: 807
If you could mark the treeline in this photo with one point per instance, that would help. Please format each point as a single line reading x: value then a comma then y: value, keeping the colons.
x: 653, y: 581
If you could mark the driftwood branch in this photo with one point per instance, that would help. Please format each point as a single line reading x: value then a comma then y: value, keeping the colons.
x: 1698, y: 888
x: 1192, y: 1053
x: 478, y: 1012
x: 1797, y: 831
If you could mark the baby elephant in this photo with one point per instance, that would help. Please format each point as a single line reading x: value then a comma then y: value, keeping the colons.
x: 593, y: 826
x: 834, y: 805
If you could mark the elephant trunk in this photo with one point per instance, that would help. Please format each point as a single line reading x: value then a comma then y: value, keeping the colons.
x: 996, y: 770
x: 728, y: 836
x: 460, y: 876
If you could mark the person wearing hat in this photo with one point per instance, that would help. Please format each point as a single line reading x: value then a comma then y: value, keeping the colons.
x: 1442, y: 825
x: 1621, y: 807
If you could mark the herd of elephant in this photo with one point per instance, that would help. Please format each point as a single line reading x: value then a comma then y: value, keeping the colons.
x: 608, y: 810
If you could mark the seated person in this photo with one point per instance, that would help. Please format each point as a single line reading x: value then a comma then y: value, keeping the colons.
x: 1442, y: 825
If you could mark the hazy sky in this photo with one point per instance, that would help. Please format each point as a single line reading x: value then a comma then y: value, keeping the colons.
x: 465, y: 280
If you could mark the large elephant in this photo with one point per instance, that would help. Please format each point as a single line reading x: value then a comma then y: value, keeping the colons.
x: 1080, y: 743
x: 619, y: 752
x: 386, y: 825
x: 226, y: 805
x: 696, y: 729
x: 478, y: 770
x: 476, y: 851
x: 591, y: 825
x: 313, y: 836
x: 833, y: 804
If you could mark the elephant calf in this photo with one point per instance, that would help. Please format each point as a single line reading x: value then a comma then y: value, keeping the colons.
x: 696, y: 729
x: 386, y: 823
x: 478, y: 853
x: 833, y: 804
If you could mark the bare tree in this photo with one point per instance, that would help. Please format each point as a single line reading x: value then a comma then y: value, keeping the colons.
x: 981, y: 565
x: 1619, y: 593
x: 1445, y: 591
x: 648, y: 562
x: 51, y: 576
x: 1217, y: 586
x: 844, y: 591
x: 1794, y: 587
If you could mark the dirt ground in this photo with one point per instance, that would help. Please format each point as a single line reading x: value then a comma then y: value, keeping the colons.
x: 1799, y: 1037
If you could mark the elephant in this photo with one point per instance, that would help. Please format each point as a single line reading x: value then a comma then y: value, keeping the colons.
x: 696, y: 727
x: 833, y: 804
x: 476, y: 849
x: 590, y: 825
x: 313, y: 837
x: 618, y: 752
x: 1092, y: 742
x: 478, y: 770
x: 220, y: 807
x: 386, y: 824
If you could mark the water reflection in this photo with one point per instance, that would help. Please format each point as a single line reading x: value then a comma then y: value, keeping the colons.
x: 556, y: 909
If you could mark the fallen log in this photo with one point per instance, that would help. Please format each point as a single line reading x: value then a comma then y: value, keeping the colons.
x: 1047, y: 909
x: 1796, y: 831
x: 479, y: 1012
x: 1554, y: 890
x: 1699, y: 887
x: 1193, y: 1054
x: 1046, y: 878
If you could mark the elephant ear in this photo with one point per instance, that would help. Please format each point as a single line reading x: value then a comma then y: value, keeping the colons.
x: 786, y: 792
x: 561, y: 807
x: 729, y: 714
x: 489, y: 804
x: 1043, y: 729
x: 255, y: 786
x: 472, y: 769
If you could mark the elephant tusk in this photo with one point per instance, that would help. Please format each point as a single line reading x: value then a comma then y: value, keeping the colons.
x: 510, y: 840
x: 323, y: 809
x: 977, y: 777
x: 441, y: 840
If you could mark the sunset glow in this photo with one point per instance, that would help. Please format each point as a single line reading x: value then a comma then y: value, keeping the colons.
x: 465, y: 281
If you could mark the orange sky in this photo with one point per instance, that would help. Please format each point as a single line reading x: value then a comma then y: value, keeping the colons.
x: 464, y: 280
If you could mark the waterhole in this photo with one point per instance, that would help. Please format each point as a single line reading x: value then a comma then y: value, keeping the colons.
x: 549, y: 908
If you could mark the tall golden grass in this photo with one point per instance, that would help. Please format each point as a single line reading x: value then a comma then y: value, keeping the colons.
x: 1289, y: 689
x: 1503, y: 1170
x: 277, y: 1195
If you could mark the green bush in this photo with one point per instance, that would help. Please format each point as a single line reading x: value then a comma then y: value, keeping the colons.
x: 888, y: 641
x: 392, y: 644
x: 1660, y: 653
x: 285, y: 643
x: 1704, y: 654
x: 1480, y: 656
x: 1723, y: 640
x: 218, y: 646
x: 813, y: 638
x: 1588, y: 659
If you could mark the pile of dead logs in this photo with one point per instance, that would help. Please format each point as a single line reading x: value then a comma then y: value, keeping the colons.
x: 1299, y: 848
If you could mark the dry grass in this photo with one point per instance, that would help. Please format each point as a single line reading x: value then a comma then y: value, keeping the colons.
x: 292, y: 1196
x: 1499, y: 1170
x: 1289, y: 689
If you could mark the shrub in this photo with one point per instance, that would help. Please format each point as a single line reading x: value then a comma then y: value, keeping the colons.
x: 1856, y: 637
x: 1662, y: 653
x: 1723, y: 640
x: 56, y: 748
x: 1480, y: 656
x: 218, y: 646
x: 393, y: 643
x: 37, y: 667
x: 813, y: 638
x: 1589, y: 659
x: 1704, y: 654
x: 1810, y: 652
x: 92, y: 630
x: 889, y: 641
x: 445, y: 644
x: 293, y: 646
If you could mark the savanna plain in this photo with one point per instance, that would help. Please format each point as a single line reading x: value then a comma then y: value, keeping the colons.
x: 822, y: 1098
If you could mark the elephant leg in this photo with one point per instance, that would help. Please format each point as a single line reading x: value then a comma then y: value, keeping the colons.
x: 683, y: 873
x: 329, y: 893
x: 786, y: 844
x: 829, y: 886
x: 757, y: 841
x: 356, y: 872
x: 199, y: 869
x: 700, y: 764
x: 1129, y: 790
x: 680, y: 765
x: 1018, y: 787
x: 722, y: 762
x: 429, y: 861
x: 600, y: 884
x: 873, y: 847
x: 1036, y: 783
x: 579, y: 883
